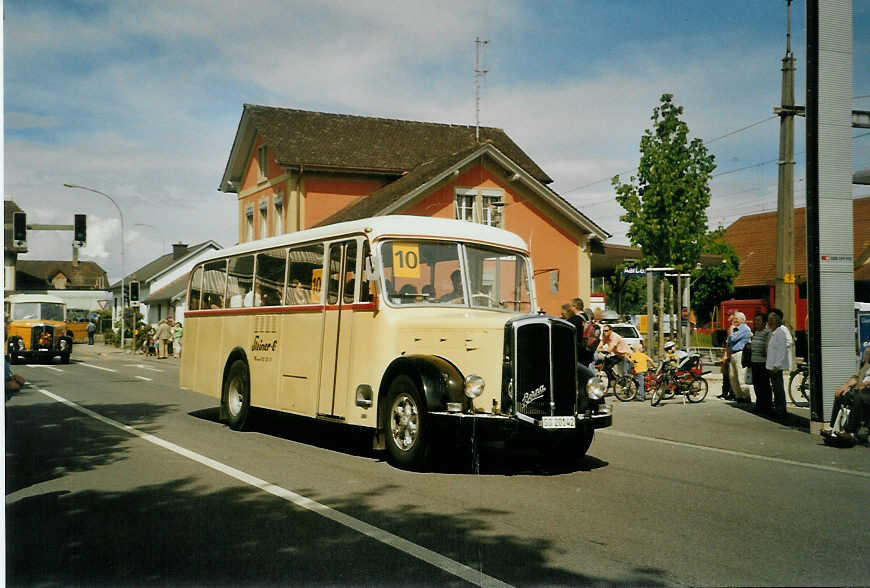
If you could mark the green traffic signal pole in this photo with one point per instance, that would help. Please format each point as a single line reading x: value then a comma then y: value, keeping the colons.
x: 120, y: 214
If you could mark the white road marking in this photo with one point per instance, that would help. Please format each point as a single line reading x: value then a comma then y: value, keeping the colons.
x: 737, y: 453
x: 144, y: 367
x: 143, y: 378
x: 450, y: 566
x: 46, y: 367
x: 96, y: 367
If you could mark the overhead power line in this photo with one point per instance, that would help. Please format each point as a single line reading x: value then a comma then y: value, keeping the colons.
x: 708, y: 141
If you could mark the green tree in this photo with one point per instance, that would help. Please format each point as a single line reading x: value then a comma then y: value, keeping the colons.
x: 666, y: 203
x: 715, y: 283
x: 626, y: 293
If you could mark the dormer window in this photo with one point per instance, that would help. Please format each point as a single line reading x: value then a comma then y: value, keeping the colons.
x: 262, y: 163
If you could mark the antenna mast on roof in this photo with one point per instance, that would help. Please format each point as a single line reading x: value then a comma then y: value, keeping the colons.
x: 478, y: 73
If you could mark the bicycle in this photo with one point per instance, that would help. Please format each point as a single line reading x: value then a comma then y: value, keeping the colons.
x: 686, y: 379
x: 624, y: 385
x: 799, y: 384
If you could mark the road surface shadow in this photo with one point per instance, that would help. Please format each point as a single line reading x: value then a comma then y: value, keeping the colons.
x: 180, y: 533
x: 39, y: 446
x: 790, y: 420
x: 450, y: 456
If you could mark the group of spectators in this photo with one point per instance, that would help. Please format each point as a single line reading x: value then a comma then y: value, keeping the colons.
x: 596, y: 338
x: 164, y: 340
x: 766, y: 353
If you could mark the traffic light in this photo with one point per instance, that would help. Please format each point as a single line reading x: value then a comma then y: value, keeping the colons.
x: 134, y: 291
x: 19, y: 228
x: 80, y: 229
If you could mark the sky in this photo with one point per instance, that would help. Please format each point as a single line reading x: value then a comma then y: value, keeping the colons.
x: 141, y: 100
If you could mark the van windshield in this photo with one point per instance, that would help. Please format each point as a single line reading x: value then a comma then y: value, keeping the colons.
x: 453, y: 274
x: 47, y: 311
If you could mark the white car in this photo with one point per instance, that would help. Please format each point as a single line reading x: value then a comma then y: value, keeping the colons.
x: 628, y: 332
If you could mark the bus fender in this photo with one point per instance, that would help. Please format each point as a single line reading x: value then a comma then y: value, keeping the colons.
x: 236, y: 353
x: 438, y: 379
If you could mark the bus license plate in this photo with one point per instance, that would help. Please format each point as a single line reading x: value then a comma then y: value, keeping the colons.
x: 558, y: 422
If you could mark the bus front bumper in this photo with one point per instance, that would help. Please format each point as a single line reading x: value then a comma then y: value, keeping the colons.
x: 497, y: 426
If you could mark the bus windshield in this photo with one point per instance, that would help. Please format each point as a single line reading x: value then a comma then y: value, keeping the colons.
x: 47, y: 311
x: 430, y: 272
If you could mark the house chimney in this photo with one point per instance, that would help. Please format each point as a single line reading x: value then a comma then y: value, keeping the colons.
x: 179, y: 250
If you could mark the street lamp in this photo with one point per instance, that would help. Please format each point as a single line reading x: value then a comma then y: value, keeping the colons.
x: 120, y: 214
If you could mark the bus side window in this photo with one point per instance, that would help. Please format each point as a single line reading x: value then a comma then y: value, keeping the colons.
x: 367, y: 285
x: 214, y: 284
x: 303, y: 275
x: 195, y: 289
x: 240, y: 281
x: 270, y: 277
x: 334, y: 271
x: 350, y: 272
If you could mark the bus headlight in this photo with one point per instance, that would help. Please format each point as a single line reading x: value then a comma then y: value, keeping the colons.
x: 474, y: 386
x: 595, y: 388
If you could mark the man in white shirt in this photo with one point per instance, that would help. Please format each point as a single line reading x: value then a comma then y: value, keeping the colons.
x: 778, y: 358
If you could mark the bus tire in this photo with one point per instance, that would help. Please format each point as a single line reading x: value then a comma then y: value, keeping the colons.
x: 237, y: 395
x: 405, y: 424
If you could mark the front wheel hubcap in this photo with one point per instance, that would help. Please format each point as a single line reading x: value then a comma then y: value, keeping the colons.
x: 404, y: 422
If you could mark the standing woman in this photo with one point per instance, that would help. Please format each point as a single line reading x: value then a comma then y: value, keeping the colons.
x: 737, y: 340
x: 760, y: 377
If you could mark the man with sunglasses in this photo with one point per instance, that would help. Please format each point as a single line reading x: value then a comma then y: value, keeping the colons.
x: 616, y: 345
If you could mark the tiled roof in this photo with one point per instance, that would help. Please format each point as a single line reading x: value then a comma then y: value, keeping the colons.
x: 341, y: 141
x: 754, y: 239
x: 152, y: 268
x: 372, y: 205
x: 169, y: 291
x: 87, y: 274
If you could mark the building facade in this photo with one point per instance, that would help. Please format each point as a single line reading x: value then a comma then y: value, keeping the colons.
x: 294, y: 169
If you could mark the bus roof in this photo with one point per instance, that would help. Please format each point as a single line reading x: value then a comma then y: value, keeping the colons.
x: 386, y: 226
x: 16, y: 298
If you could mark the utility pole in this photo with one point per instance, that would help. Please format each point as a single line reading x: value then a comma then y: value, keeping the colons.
x: 785, y: 279
x: 478, y: 73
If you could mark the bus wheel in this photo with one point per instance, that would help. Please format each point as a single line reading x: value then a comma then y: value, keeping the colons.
x: 237, y: 394
x: 406, y: 424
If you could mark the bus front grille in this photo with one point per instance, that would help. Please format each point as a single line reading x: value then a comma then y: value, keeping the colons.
x: 542, y: 366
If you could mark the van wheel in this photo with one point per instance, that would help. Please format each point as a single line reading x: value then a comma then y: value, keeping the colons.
x: 405, y: 424
x: 237, y: 395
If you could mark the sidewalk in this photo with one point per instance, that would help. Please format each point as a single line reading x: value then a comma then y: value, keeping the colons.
x: 729, y: 426
x: 101, y: 349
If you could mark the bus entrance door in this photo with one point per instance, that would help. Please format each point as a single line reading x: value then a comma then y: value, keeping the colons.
x: 339, y: 283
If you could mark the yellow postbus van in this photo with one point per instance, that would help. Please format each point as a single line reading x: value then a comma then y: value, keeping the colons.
x: 36, y: 328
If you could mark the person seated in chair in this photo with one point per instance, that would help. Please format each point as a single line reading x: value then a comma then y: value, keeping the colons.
x: 855, y: 392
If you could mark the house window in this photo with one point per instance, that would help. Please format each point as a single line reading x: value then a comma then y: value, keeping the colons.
x: 249, y: 223
x: 491, y: 206
x: 264, y: 218
x: 465, y: 206
x: 262, y: 163
x: 480, y: 206
x: 278, y: 216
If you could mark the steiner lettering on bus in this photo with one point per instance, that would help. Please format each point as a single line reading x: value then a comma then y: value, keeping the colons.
x: 260, y: 345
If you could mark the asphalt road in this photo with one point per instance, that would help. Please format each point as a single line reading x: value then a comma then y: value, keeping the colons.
x: 115, y: 476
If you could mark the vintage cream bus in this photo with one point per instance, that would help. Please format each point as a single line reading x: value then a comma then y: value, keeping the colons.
x: 405, y: 325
